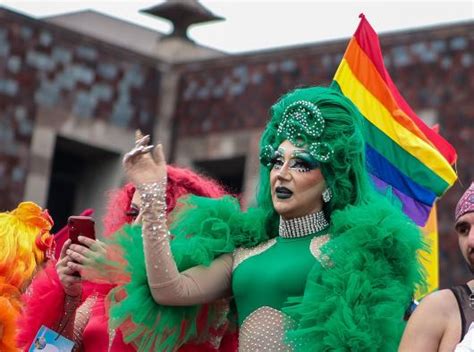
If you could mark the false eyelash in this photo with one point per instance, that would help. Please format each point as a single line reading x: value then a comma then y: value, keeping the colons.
x: 301, y: 166
x: 274, y: 161
x: 132, y: 212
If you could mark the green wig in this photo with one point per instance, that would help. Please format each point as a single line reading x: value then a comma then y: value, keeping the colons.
x: 343, y: 166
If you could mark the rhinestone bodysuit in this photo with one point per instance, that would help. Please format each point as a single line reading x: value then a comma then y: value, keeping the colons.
x: 265, y: 276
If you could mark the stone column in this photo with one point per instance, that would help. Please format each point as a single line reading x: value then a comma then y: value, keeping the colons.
x: 163, y: 130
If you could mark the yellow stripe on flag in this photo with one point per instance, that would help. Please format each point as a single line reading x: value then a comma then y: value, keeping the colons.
x: 430, y: 260
x: 380, y: 117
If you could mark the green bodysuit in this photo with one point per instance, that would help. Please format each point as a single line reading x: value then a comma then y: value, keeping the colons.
x: 289, y: 261
x: 263, y: 279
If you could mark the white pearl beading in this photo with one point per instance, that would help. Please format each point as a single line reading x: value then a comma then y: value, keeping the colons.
x: 301, y: 117
x: 264, y: 330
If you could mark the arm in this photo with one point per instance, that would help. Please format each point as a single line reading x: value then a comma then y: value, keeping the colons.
x: 49, y: 286
x: 194, y: 286
x: 72, y: 286
x: 169, y: 286
x: 426, y: 327
x: 65, y: 326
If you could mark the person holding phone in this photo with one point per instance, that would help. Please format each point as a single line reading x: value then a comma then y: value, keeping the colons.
x: 73, y: 305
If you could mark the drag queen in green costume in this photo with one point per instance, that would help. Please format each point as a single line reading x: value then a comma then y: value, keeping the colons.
x: 321, y: 262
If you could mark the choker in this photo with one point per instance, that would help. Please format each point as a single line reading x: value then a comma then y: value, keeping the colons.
x: 303, y: 226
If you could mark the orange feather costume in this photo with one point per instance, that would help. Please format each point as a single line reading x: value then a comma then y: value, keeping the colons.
x: 26, y: 243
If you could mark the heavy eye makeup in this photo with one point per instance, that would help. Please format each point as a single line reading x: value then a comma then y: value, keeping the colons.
x: 133, y: 211
x: 277, y: 160
x: 300, y: 161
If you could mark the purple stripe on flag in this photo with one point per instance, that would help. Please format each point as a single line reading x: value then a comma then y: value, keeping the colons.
x: 417, y: 211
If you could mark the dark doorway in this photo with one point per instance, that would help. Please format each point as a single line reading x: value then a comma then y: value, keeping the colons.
x: 229, y: 172
x: 75, y: 166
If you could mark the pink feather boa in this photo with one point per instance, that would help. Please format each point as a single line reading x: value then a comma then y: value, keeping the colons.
x: 43, y: 305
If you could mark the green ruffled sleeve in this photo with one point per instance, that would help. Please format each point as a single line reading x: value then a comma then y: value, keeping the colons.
x: 146, y: 324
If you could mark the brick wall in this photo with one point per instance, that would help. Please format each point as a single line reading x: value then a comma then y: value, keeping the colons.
x: 42, y: 65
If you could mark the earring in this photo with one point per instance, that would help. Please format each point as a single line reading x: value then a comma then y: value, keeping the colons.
x: 327, y: 195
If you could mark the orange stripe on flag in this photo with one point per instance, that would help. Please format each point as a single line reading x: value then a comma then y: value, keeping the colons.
x: 364, y: 69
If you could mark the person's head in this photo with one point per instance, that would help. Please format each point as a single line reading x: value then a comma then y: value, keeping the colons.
x: 26, y: 243
x: 123, y: 206
x: 464, y: 225
x: 318, y: 132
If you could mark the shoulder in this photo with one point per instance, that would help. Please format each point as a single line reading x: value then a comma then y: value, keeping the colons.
x: 436, y: 308
x: 430, y: 321
x: 241, y: 254
x: 442, y: 302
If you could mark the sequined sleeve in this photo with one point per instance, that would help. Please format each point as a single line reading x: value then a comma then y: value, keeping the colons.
x: 168, y: 286
x: 66, y: 325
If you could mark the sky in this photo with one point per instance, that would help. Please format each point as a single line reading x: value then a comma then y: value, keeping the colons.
x: 265, y: 24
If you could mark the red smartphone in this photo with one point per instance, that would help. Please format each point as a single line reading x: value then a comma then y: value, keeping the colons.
x: 80, y: 226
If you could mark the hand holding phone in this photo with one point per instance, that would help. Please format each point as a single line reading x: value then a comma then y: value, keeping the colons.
x: 69, y: 278
x: 81, y: 226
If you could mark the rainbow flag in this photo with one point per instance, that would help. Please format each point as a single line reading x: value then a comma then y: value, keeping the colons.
x: 401, y: 150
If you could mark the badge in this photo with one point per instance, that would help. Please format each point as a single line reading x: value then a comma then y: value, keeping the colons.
x: 47, y: 340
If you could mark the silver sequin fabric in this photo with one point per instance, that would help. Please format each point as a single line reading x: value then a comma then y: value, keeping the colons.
x: 83, y: 314
x: 315, y: 248
x: 264, y: 330
x: 242, y: 254
x: 160, y: 265
x: 303, y: 226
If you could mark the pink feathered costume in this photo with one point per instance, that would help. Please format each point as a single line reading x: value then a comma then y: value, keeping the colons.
x: 44, y: 300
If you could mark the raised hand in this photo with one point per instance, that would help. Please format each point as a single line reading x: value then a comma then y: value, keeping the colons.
x: 144, y: 163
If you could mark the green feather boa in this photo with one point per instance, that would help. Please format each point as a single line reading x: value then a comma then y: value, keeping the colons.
x: 202, y: 229
x: 357, y: 301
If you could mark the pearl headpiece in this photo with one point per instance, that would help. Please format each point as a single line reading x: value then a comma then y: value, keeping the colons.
x: 302, y: 124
